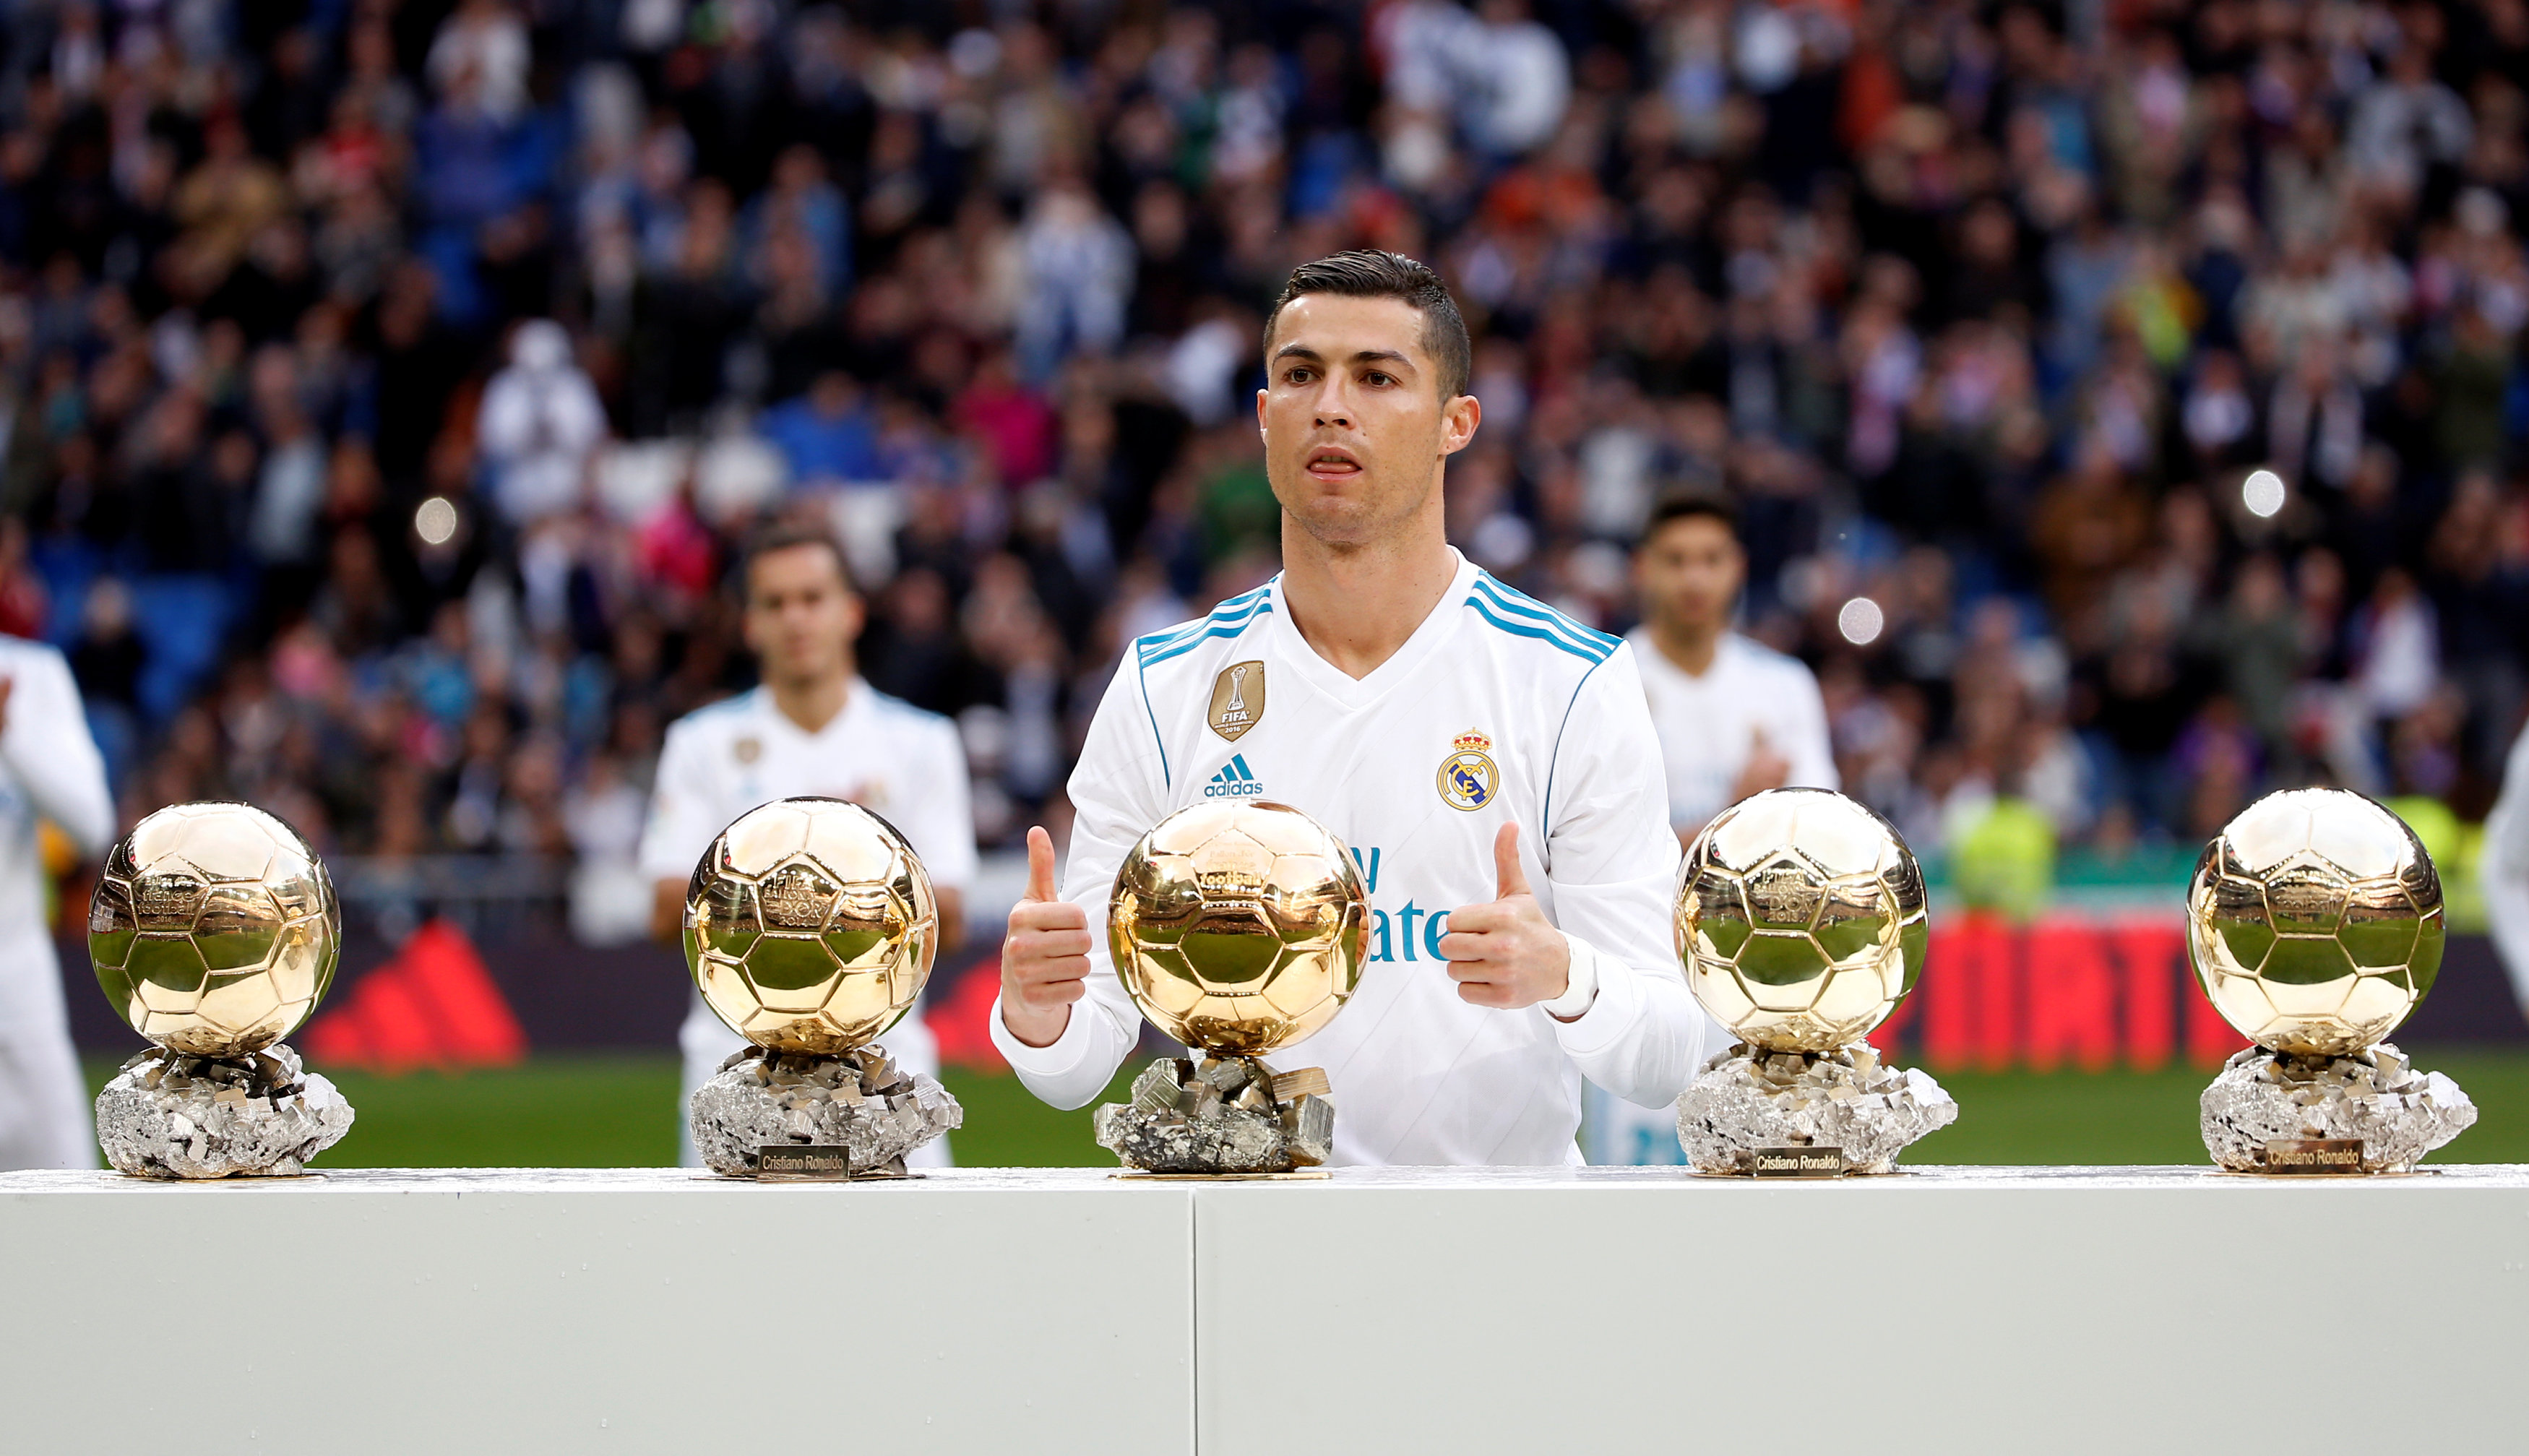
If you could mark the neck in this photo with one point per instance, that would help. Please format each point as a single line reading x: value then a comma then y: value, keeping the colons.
x: 1689, y: 646
x: 1355, y: 605
x: 812, y: 702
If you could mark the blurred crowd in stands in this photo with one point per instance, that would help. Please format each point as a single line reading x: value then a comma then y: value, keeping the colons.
x: 2123, y: 397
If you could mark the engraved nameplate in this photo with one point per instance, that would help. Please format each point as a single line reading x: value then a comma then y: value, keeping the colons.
x: 798, y: 1163
x: 2305, y: 1155
x: 1798, y: 1162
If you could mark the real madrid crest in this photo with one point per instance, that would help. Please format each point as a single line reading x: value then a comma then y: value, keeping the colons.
x: 1237, y: 699
x: 1468, y: 778
x: 749, y: 749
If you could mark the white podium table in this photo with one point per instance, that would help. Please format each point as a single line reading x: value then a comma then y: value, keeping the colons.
x: 1392, y: 1310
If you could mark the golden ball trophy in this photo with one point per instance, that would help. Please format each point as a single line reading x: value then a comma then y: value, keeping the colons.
x: 1238, y: 929
x: 810, y: 927
x: 2314, y: 921
x: 1801, y: 926
x: 214, y: 930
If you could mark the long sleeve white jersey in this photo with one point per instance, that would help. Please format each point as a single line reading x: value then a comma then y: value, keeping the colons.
x: 49, y: 769
x: 2505, y: 869
x: 1709, y: 726
x: 1498, y: 710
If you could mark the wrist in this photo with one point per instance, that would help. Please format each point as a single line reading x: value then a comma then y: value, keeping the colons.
x: 1036, y: 1029
x: 1580, y: 986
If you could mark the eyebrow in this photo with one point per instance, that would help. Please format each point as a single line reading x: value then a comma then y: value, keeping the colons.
x: 1363, y: 357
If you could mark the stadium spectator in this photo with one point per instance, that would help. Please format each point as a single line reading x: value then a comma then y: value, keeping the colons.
x: 328, y: 328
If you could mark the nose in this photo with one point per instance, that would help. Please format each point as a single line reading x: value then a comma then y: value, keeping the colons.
x: 1331, y: 408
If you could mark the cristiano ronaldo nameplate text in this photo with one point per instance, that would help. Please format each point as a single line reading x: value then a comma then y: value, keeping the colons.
x: 794, y: 1162
x: 1798, y: 1162
x: 2314, y: 1156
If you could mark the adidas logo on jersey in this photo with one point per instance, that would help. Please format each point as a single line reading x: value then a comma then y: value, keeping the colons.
x: 1235, y: 781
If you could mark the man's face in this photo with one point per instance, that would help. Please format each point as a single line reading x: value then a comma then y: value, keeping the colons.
x: 1353, y: 420
x: 800, y: 618
x: 1688, y: 572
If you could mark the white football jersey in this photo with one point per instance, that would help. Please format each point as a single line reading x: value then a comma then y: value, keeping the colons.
x: 1496, y: 710
x: 49, y: 769
x: 889, y: 757
x: 1709, y: 726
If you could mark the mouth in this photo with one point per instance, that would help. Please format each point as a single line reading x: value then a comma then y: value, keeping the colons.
x: 1331, y: 465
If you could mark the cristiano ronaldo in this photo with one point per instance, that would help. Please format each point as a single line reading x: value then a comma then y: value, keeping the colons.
x: 1490, y: 761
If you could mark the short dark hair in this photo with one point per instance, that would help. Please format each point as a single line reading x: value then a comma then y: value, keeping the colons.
x: 1375, y: 273
x: 785, y: 535
x: 1684, y: 505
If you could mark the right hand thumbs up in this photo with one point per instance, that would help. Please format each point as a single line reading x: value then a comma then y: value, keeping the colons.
x: 1039, y: 885
x: 1045, y: 959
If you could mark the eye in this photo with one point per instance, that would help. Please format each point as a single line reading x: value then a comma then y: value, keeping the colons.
x: 1296, y: 374
x: 1381, y: 378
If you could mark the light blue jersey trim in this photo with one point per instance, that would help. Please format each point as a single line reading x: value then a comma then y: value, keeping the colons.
x: 1227, y: 620
x: 1143, y: 671
x: 1496, y: 602
x: 1541, y: 634
x: 1545, y: 832
x: 1237, y: 607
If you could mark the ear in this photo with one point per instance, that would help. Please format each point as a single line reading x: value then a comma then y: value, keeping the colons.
x: 1261, y: 396
x: 1458, y: 421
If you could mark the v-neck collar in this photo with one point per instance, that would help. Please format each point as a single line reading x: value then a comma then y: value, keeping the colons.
x: 855, y: 695
x: 1360, y: 692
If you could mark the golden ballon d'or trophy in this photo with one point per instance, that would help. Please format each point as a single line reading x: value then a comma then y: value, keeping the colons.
x: 1238, y: 929
x: 214, y: 930
x: 1801, y: 926
x: 2314, y: 921
x: 810, y: 926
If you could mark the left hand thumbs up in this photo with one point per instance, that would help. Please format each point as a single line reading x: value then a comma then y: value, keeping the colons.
x: 1511, y: 875
x: 1505, y: 954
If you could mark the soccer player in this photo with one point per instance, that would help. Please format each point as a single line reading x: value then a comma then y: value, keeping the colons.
x: 813, y: 727
x: 1734, y: 718
x: 1488, y: 759
x: 2504, y: 870
x: 49, y: 769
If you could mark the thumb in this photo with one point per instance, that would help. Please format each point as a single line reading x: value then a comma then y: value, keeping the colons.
x: 1506, y: 867
x: 1039, y: 885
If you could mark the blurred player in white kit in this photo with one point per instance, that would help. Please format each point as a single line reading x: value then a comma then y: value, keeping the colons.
x: 813, y: 727
x: 1733, y: 715
x: 1488, y: 759
x: 2504, y: 871
x: 50, y: 770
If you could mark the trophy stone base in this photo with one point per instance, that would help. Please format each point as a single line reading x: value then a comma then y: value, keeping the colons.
x: 167, y: 1116
x: 859, y: 1100
x: 1226, y: 1115
x: 2375, y: 1097
x: 1747, y: 1100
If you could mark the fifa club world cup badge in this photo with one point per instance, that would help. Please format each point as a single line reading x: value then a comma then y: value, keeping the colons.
x: 1237, y: 700
x: 1468, y: 777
